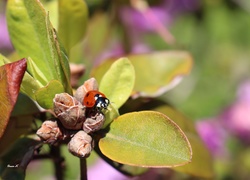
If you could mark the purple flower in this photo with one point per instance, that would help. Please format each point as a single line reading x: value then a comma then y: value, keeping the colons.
x: 234, y: 120
x: 5, y: 43
x: 116, y: 50
x: 140, y: 20
x: 175, y: 7
x: 214, y: 136
x: 102, y: 170
x: 243, y: 92
x: 112, y: 51
x: 148, y: 18
x: 237, y: 116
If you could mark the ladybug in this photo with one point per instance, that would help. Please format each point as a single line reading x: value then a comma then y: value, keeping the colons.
x: 95, y: 99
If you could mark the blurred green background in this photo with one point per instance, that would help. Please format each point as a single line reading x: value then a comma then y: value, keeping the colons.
x: 219, y: 41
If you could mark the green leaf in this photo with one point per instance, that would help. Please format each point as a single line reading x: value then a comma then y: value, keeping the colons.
x: 3, y: 60
x: 33, y: 36
x: 159, y: 72
x: 123, y: 168
x: 148, y: 139
x: 45, y: 95
x: 197, y: 167
x: 202, y: 161
x: 28, y: 32
x: 110, y: 115
x: 118, y: 82
x: 73, y: 16
x: 36, y: 72
x: 155, y: 72
x: 29, y: 85
x: 10, y: 79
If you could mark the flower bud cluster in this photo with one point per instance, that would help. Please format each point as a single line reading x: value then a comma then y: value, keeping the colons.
x: 73, y: 122
x: 69, y: 111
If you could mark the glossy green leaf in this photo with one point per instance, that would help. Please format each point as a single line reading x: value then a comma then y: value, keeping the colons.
x: 73, y: 16
x: 33, y: 36
x: 10, y: 79
x: 123, y: 168
x: 202, y: 163
x: 30, y: 85
x: 159, y: 72
x: 148, y: 139
x: 183, y: 122
x: 52, y: 8
x: 28, y: 31
x: 118, y: 82
x: 155, y: 72
x: 110, y: 115
x: 37, y: 72
x: 45, y: 95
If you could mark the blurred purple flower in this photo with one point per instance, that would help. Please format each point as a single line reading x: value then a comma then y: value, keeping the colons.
x: 138, y: 20
x: 234, y: 120
x: 243, y: 93
x: 176, y: 7
x: 237, y: 116
x: 214, y: 136
x: 116, y: 50
x: 5, y: 43
x: 141, y: 18
x: 102, y: 170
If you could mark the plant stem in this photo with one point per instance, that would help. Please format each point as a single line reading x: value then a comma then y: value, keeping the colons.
x: 83, y: 169
x: 58, y: 161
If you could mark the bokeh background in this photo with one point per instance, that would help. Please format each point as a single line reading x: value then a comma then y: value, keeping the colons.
x: 216, y: 95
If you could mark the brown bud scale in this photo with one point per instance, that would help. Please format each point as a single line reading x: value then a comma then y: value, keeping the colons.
x: 81, y: 144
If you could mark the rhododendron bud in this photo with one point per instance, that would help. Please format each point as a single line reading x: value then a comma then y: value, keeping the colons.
x: 76, y: 72
x: 69, y: 111
x: 49, y: 132
x: 81, y: 144
x: 88, y: 85
x: 94, y: 123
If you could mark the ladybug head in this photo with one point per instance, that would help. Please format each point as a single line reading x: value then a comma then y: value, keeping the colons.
x: 101, y: 102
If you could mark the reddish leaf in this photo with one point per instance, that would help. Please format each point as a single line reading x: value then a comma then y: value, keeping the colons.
x: 10, y: 79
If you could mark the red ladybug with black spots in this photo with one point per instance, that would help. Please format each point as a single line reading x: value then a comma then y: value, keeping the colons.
x: 95, y: 99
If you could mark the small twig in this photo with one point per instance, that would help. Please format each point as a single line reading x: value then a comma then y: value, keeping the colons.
x: 83, y: 169
x: 41, y: 156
